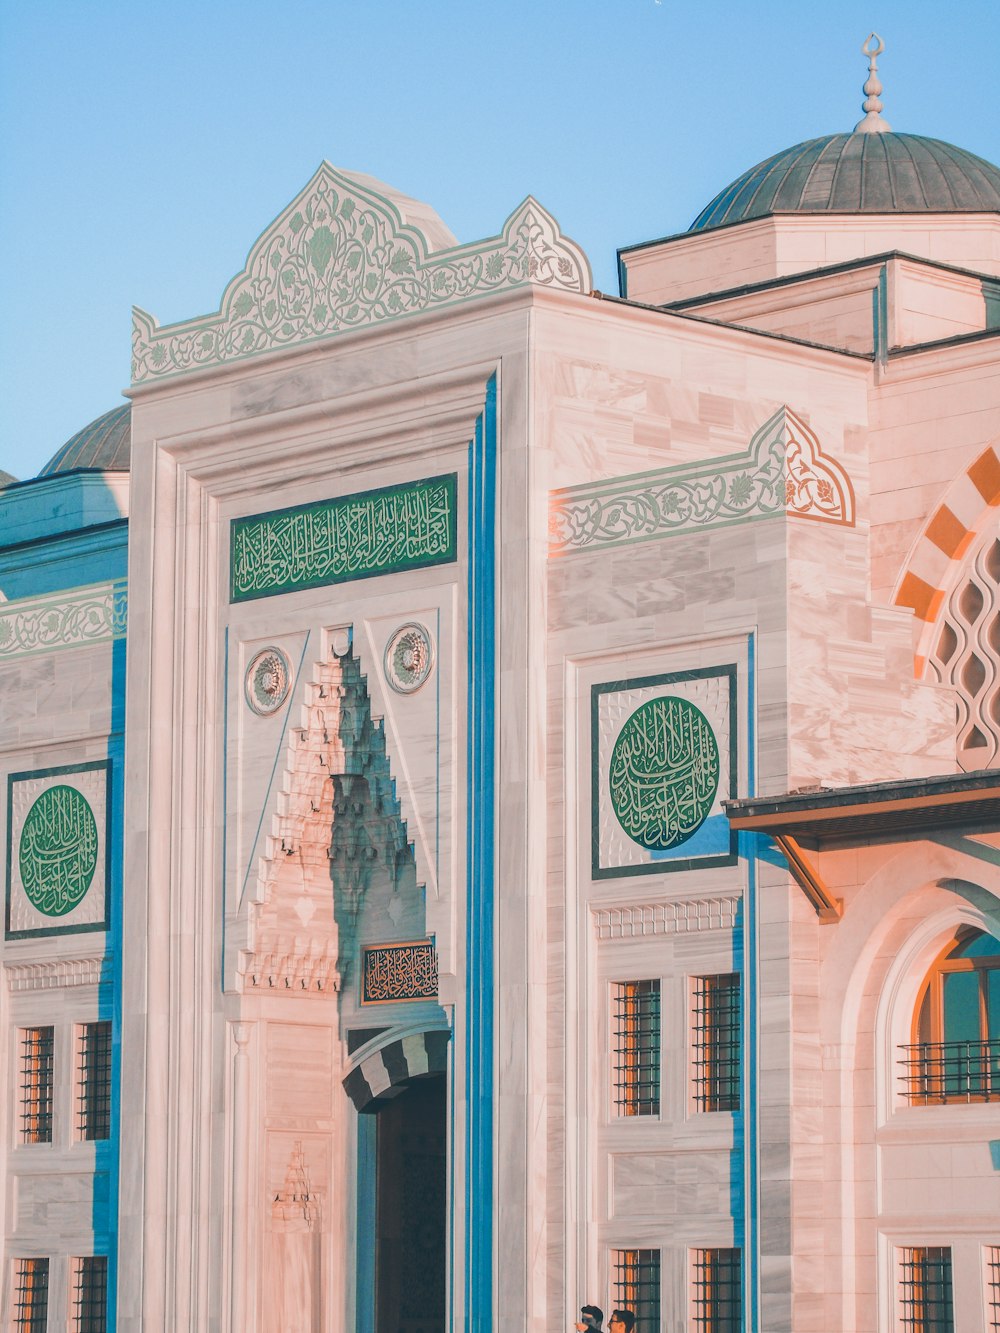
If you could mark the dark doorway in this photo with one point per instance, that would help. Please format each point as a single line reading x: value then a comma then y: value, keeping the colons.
x: 411, y: 1210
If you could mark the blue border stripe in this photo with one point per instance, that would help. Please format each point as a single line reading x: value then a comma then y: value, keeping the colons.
x: 751, y: 1140
x: 480, y: 836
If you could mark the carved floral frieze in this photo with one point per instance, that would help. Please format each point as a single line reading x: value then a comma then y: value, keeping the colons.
x: 784, y: 470
x: 63, y: 620
x: 339, y: 258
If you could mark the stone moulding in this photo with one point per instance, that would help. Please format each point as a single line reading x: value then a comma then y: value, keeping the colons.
x: 783, y: 470
x: 340, y: 257
x: 665, y: 918
x: 56, y: 973
x: 63, y: 620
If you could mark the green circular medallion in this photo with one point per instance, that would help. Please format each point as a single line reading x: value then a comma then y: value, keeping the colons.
x: 57, y: 855
x: 664, y: 773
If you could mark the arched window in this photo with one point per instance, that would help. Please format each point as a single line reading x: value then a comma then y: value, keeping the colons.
x: 955, y: 1052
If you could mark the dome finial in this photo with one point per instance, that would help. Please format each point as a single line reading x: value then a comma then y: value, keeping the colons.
x: 873, y: 123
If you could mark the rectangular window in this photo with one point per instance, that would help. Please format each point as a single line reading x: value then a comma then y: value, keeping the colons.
x: 635, y: 1282
x: 925, y: 1289
x: 90, y: 1294
x: 36, y: 1085
x: 715, y: 1046
x: 993, y: 1288
x: 93, y: 1089
x: 31, y: 1295
x: 717, y: 1291
x: 637, y: 1047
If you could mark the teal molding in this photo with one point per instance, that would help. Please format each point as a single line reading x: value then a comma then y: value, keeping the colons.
x: 339, y: 258
x: 410, y: 526
x: 783, y: 471
x: 63, y: 620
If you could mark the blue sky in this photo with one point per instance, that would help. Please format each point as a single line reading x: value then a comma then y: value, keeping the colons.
x: 144, y: 147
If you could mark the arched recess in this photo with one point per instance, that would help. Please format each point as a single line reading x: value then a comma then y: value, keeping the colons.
x: 385, y: 1072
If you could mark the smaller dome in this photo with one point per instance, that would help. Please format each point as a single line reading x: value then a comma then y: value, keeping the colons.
x: 6, y: 479
x: 103, y: 446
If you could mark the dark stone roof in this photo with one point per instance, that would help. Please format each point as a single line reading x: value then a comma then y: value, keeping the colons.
x: 859, y: 173
x: 103, y: 446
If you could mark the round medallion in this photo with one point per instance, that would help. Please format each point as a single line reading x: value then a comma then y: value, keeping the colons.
x: 409, y: 658
x: 664, y: 773
x: 57, y: 854
x: 267, y: 681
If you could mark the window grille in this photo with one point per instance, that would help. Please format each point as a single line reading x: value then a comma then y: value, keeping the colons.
x: 36, y: 1085
x: 993, y: 1288
x: 715, y: 1055
x: 635, y: 1280
x: 31, y: 1295
x: 925, y: 1289
x: 93, y: 1090
x: 718, y: 1291
x: 90, y: 1294
x: 637, y: 1047
x: 950, y: 1071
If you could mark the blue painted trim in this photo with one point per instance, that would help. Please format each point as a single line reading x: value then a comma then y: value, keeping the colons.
x: 750, y: 1100
x: 110, y: 997
x: 225, y: 803
x: 365, y: 1238
x: 480, y: 836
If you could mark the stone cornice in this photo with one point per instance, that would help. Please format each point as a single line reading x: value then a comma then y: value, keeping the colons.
x: 54, y: 974
x: 63, y: 620
x: 340, y: 257
x: 670, y: 917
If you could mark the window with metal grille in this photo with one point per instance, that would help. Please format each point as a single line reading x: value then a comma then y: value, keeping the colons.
x: 715, y: 1046
x: 30, y: 1306
x: 635, y: 1282
x: 90, y: 1294
x: 36, y: 1085
x: 637, y: 1047
x: 993, y: 1288
x: 93, y: 1089
x: 925, y: 1303
x: 717, y: 1291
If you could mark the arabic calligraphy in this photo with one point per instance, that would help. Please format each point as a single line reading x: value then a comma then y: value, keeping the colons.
x: 352, y: 537
x: 664, y: 773
x: 57, y: 855
x: 400, y: 972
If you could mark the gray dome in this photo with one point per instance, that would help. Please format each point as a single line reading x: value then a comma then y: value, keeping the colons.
x: 5, y: 479
x: 859, y: 173
x: 104, y: 446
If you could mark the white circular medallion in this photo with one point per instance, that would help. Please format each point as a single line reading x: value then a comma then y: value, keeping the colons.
x: 267, y: 681
x: 409, y: 658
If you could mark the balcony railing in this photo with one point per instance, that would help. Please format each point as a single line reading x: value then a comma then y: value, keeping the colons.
x: 950, y: 1071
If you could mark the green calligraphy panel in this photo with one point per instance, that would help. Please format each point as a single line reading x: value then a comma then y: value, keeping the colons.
x: 57, y: 855
x: 410, y: 526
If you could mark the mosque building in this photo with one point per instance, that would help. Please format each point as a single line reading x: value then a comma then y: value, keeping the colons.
x: 502, y: 781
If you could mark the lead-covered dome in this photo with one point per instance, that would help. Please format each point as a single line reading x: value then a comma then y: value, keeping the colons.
x: 860, y: 173
x: 104, y: 446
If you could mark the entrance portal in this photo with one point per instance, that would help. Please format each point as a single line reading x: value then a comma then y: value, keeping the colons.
x: 411, y: 1210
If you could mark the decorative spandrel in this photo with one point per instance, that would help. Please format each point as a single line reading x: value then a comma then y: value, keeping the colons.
x: 340, y: 258
x: 394, y: 972
x: 664, y: 773
x: 57, y: 850
x: 57, y: 855
x: 664, y: 760
x: 410, y: 526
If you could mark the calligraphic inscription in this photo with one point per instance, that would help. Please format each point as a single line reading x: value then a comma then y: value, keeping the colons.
x: 394, y: 972
x: 664, y: 773
x: 664, y: 760
x: 352, y: 537
x: 57, y: 855
x: 57, y: 860
x: 267, y: 681
x: 409, y: 656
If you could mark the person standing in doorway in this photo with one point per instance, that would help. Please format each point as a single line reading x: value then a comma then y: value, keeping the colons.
x: 591, y: 1319
x: 621, y: 1321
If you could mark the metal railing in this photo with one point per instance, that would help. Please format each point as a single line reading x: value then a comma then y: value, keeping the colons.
x: 936, y: 1072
